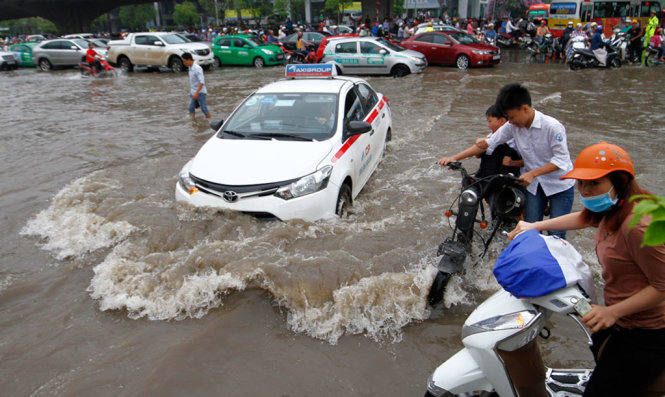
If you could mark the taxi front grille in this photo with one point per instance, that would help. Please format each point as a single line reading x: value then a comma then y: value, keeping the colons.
x: 243, y: 191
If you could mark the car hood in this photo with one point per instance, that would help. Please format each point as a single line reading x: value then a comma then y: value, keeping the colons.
x: 270, y: 47
x: 250, y: 162
x: 192, y: 46
x: 412, y: 53
x: 481, y: 46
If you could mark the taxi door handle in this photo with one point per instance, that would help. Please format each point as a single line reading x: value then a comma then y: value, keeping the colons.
x: 371, y: 132
x: 383, y: 115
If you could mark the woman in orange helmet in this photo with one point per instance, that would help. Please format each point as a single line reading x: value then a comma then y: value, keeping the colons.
x: 629, y: 329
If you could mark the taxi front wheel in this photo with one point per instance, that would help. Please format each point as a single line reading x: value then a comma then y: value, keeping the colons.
x: 343, y: 202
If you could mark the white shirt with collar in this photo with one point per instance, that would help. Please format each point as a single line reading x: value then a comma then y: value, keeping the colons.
x: 543, y: 142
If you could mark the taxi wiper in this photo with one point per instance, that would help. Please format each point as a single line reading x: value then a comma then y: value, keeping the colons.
x: 281, y: 135
x: 234, y: 133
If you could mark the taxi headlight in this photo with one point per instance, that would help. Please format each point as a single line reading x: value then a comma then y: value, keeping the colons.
x: 267, y: 52
x: 186, y: 181
x: 307, y: 184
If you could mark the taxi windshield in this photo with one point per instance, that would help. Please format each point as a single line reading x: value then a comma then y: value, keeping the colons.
x: 390, y: 44
x: 256, y: 41
x: 284, y: 116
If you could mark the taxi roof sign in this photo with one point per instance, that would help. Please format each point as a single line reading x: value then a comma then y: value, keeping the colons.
x: 311, y: 70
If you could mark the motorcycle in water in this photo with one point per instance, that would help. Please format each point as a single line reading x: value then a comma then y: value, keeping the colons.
x: 652, y: 56
x: 107, y: 69
x: 501, y: 355
x: 619, y: 41
x: 529, y: 43
x: 506, y: 203
x: 505, y: 40
x: 583, y: 58
x: 302, y: 56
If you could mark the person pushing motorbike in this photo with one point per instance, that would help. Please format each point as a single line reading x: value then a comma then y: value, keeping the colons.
x: 629, y: 330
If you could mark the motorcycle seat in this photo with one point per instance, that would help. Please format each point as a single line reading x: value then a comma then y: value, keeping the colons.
x: 585, y: 51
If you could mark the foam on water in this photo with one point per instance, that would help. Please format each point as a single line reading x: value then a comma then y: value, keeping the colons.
x: 70, y: 227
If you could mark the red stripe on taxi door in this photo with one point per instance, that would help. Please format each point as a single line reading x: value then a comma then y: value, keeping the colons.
x: 351, y: 141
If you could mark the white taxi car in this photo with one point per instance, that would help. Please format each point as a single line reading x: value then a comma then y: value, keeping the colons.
x: 297, y: 148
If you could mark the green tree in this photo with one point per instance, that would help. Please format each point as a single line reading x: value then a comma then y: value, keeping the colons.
x: 398, y: 7
x: 33, y: 25
x: 281, y: 8
x: 137, y: 16
x: 185, y: 14
x: 209, y: 7
x: 654, y: 207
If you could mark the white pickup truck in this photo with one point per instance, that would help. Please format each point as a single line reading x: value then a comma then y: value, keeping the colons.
x: 157, y: 49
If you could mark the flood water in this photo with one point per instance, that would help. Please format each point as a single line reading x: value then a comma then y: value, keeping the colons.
x: 108, y: 287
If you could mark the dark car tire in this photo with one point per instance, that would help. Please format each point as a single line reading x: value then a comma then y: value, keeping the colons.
x: 259, y: 62
x: 217, y: 62
x: 343, y: 202
x: 44, y: 65
x: 125, y: 64
x: 400, y: 70
x: 176, y: 65
x: 462, y: 62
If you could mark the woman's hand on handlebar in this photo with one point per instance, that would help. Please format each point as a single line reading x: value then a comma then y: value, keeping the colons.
x: 521, y: 227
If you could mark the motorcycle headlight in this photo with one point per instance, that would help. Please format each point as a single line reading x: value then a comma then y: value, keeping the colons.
x: 307, y: 184
x: 186, y: 181
x: 508, y: 321
x: 267, y: 52
x: 469, y: 197
x: 481, y: 52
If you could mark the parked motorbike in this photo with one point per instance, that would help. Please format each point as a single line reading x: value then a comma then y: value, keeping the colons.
x: 106, y: 70
x: 583, y: 58
x: 619, y: 41
x: 652, y: 58
x: 506, y: 202
x: 527, y: 42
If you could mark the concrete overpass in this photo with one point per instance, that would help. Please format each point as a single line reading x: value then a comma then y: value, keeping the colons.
x: 70, y: 16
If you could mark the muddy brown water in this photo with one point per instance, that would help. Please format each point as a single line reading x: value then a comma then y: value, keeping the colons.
x: 110, y: 288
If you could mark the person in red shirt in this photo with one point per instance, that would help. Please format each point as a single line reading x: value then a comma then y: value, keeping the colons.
x: 91, y: 57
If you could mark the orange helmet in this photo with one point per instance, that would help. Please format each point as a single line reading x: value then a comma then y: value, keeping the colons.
x: 600, y: 159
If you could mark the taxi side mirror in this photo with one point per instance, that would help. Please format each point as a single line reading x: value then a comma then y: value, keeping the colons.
x: 357, y: 127
x: 383, y: 52
x: 158, y: 43
x: 215, y: 125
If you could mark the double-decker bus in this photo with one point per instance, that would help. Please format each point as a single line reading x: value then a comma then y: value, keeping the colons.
x: 604, y: 12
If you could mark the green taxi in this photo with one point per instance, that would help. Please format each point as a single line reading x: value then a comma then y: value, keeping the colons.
x: 24, y: 51
x: 246, y: 50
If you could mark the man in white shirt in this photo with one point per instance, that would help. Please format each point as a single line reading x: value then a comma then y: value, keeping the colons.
x: 541, y: 141
x: 197, y: 86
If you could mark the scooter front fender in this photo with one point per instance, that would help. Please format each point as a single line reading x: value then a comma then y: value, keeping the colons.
x: 459, y: 374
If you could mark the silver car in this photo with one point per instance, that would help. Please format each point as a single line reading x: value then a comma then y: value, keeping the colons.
x: 62, y: 52
x: 371, y: 55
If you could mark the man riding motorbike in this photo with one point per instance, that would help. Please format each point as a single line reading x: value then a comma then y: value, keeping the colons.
x: 91, y: 57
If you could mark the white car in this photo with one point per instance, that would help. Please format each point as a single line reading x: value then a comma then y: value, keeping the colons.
x: 372, y: 55
x: 296, y: 148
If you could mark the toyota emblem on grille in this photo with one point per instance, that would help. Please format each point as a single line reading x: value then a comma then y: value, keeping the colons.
x: 230, y: 196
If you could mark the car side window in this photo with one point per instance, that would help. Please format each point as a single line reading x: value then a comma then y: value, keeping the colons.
x: 353, y: 109
x: 367, y: 47
x: 346, y: 48
x: 224, y: 43
x: 238, y: 43
x: 368, y: 96
x: 425, y: 38
x: 441, y: 39
x: 54, y: 45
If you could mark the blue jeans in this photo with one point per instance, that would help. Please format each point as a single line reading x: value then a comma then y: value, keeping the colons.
x: 560, y: 204
x: 201, y: 101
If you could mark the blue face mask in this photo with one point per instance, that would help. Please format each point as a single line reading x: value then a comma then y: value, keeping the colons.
x: 599, y: 203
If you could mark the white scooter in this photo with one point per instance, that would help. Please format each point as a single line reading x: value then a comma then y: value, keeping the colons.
x: 501, y: 356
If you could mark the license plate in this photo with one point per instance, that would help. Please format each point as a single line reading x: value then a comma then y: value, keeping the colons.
x: 495, y: 57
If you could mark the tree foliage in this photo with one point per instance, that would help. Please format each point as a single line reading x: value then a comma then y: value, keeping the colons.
x: 508, y: 8
x: 185, y: 14
x: 137, y: 16
x: 398, y: 7
x: 34, y: 25
x: 209, y: 7
x: 654, y: 207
